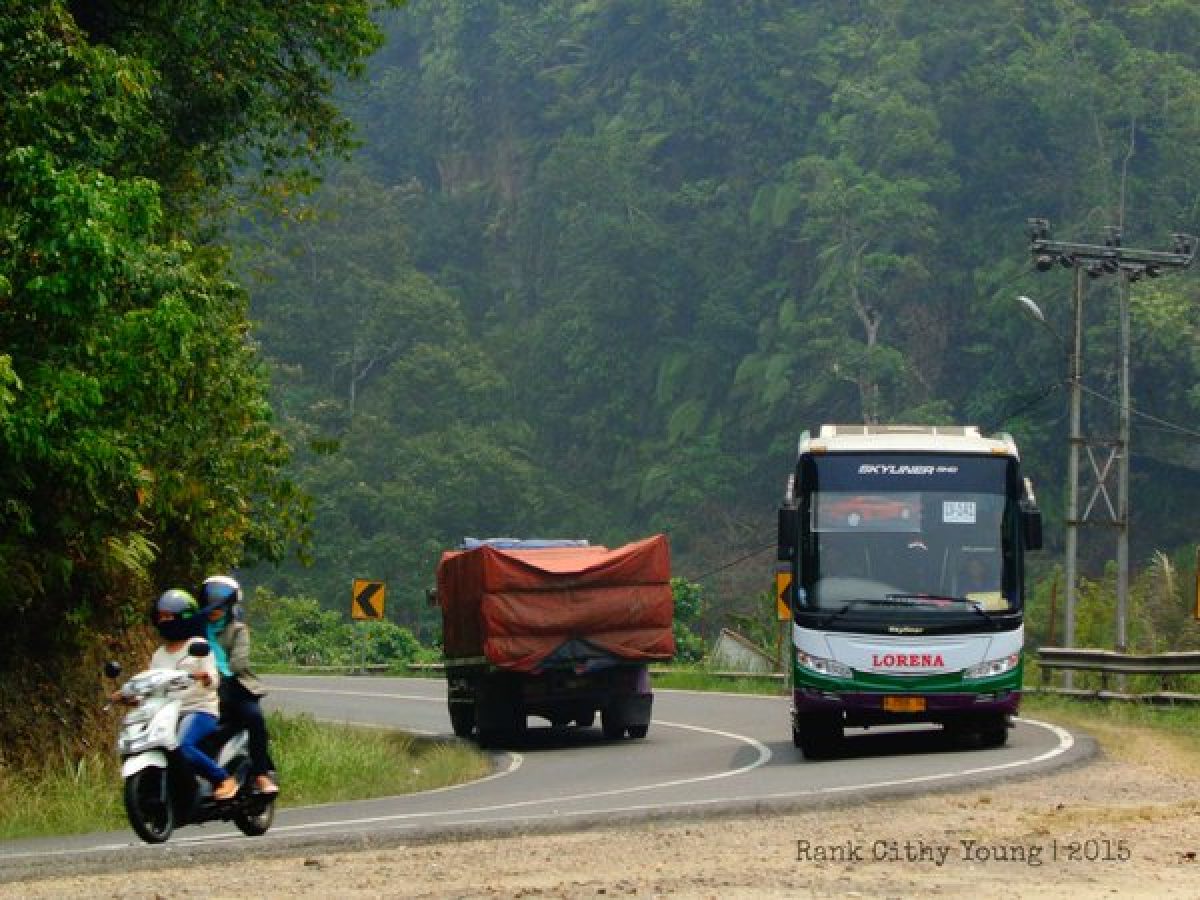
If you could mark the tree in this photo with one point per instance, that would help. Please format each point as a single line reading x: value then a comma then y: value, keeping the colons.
x: 136, y: 444
x: 404, y: 435
x: 241, y: 90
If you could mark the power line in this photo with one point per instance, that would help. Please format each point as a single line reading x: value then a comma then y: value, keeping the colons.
x: 1169, y: 426
x: 1034, y: 401
x: 734, y: 562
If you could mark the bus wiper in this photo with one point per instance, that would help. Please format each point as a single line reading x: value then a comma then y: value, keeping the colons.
x: 917, y: 599
x: 858, y: 601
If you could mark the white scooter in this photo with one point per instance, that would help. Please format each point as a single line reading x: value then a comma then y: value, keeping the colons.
x: 162, y: 792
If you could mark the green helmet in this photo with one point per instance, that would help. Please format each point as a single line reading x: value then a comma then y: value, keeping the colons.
x: 175, y: 615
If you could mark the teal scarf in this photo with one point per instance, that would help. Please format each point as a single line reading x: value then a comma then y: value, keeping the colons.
x: 219, y: 654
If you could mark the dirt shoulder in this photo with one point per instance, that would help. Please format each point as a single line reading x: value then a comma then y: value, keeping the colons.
x: 1127, y: 824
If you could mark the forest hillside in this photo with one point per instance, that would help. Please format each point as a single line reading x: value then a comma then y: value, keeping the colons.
x: 595, y: 266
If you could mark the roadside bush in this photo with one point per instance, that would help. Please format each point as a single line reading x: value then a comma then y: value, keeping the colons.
x: 298, y: 631
x: 689, y: 606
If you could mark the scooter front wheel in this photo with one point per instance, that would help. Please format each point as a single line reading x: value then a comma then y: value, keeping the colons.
x: 148, y: 804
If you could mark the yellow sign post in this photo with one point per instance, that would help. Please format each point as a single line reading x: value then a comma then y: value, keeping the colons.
x: 1197, y: 609
x: 367, y: 599
x: 783, y: 586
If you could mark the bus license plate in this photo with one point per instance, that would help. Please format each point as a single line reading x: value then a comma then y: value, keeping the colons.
x: 904, y: 704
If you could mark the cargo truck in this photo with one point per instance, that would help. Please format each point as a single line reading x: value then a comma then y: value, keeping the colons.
x: 561, y: 630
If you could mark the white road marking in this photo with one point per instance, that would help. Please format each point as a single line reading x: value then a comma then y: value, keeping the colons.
x: 1065, y: 743
x: 763, y: 755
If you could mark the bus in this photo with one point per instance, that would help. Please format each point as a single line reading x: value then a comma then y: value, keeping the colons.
x: 902, y: 549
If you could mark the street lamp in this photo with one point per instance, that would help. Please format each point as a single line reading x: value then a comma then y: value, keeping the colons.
x: 1075, y: 382
x: 1034, y: 312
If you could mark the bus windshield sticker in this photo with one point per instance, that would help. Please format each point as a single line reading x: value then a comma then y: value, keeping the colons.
x: 958, y: 512
x: 868, y: 512
x: 893, y: 469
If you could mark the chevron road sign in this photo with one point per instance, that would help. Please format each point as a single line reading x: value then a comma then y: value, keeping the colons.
x: 366, y: 599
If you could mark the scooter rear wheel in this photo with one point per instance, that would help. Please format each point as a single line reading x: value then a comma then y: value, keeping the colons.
x: 255, y: 824
x: 148, y: 804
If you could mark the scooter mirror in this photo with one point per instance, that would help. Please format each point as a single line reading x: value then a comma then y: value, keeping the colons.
x: 199, y: 649
x: 112, y: 668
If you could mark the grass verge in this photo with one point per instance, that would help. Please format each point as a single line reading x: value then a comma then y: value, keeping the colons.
x: 318, y: 763
x: 1134, y: 732
x: 687, y: 679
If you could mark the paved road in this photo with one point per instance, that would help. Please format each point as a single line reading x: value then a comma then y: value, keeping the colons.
x: 705, y: 752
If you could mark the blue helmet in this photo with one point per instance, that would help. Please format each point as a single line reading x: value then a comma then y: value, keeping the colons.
x: 221, y: 592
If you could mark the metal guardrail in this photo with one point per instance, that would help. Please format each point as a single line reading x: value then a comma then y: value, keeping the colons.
x: 438, y: 668
x: 347, y: 669
x: 1107, y: 663
x: 730, y: 676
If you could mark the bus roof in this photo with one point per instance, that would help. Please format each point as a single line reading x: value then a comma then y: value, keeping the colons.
x: 906, y: 439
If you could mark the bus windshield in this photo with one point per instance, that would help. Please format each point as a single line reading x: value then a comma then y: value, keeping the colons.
x: 907, y: 530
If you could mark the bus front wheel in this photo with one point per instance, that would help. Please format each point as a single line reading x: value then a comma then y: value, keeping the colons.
x: 817, y: 736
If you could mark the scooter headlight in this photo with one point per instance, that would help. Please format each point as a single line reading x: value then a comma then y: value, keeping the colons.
x: 133, y: 738
x: 143, y: 730
x: 144, y: 738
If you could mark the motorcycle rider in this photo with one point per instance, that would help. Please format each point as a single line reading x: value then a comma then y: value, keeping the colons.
x: 240, y: 690
x: 178, y: 620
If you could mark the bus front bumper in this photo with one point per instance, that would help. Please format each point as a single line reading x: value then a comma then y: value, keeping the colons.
x: 879, y: 708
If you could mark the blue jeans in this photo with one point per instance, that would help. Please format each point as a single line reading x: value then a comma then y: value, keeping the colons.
x: 195, y: 728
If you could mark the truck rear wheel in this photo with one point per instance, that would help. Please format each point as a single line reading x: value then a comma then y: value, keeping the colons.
x: 612, y: 724
x: 462, y: 719
x: 638, y: 731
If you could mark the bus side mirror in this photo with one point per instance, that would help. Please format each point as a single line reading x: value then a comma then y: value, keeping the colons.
x: 1031, y: 519
x: 789, y: 533
x: 1031, y: 528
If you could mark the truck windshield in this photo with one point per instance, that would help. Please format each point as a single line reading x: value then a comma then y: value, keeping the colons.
x: 906, y: 531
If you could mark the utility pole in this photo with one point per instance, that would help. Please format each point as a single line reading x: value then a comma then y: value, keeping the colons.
x: 1121, y: 645
x: 1075, y: 443
x: 1095, y: 261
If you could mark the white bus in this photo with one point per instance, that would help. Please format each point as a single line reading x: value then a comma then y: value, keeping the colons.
x: 905, y: 546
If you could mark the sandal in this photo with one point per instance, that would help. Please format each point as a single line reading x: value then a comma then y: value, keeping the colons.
x: 226, y: 790
x: 264, y: 785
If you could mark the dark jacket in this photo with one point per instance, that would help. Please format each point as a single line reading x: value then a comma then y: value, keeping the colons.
x: 235, y: 641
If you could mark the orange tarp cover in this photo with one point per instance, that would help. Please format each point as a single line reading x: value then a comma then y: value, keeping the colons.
x: 515, y: 607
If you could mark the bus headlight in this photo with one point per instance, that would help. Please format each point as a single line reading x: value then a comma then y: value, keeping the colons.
x: 821, y: 666
x: 993, y: 667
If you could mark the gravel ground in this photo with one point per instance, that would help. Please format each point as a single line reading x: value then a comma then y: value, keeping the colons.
x: 1126, y: 825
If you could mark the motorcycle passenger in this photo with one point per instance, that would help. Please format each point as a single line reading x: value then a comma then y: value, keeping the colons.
x: 240, y: 688
x: 177, y: 618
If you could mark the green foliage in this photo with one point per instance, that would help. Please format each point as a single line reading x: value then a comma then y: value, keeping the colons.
x: 297, y: 631
x: 596, y: 265
x: 237, y: 83
x: 689, y: 608
x: 320, y: 763
x: 136, y: 443
x: 139, y: 422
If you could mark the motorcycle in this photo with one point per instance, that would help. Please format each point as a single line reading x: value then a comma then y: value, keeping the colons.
x: 162, y: 792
